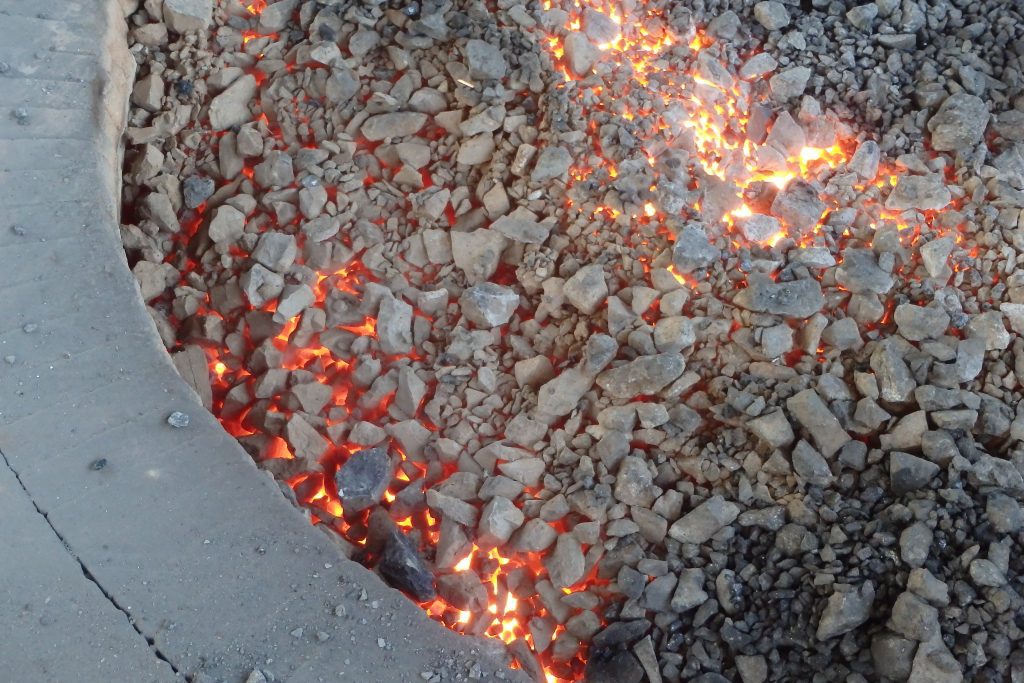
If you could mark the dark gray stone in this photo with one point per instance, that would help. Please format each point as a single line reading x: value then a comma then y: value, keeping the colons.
x: 402, y: 567
x: 364, y: 478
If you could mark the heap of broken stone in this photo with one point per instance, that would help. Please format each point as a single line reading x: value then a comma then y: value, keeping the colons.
x: 741, y: 460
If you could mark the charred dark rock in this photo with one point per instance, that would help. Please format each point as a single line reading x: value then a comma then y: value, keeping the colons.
x: 402, y: 566
x: 364, y: 478
x: 612, y: 666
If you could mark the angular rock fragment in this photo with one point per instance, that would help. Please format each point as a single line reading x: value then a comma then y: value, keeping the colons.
x: 813, y: 414
x: 759, y: 227
x: 799, y: 206
x: 908, y: 472
x: 580, y: 53
x: 923, y: 192
x: 451, y: 508
x: 990, y: 328
x: 294, y: 299
x: 261, y: 285
x: 642, y: 376
x: 693, y: 251
x: 489, y: 305
x: 559, y: 396
x: 526, y: 471
x: 553, y: 162
x: 773, y: 428
x: 534, y: 536
x: 485, y: 60
x: 846, y: 610
x: 182, y: 16
x: 934, y: 663
x: 772, y: 15
x: 893, y: 654
x: 275, y: 15
x: 612, y: 666
x: 896, y: 384
x: 914, y: 618
x: 276, y: 170
x: 634, y: 484
x: 478, y: 253
x: 864, y: 161
x: 342, y: 85
x: 231, y: 107
x: 276, y: 250
x: 566, y: 563
x: 704, y: 521
x: 918, y: 323
x: 809, y: 465
x: 148, y: 93
x: 797, y: 299
x: 533, y: 371
x: 909, y: 432
x: 197, y: 189
x: 392, y: 125
x: 154, y: 278
x: 587, y: 289
x: 522, y: 227
x: 476, y: 150
x: 363, y: 479
x: 915, y: 543
x: 499, y: 519
x: 674, y: 333
x: 861, y: 274
x: 790, y: 83
x: 463, y: 591
x: 599, y: 27
x: 689, y: 591
x: 306, y: 442
x: 959, y: 123
x: 403, y: 568
x: 757, y: 66
x: 158, y: 208
x: 394, y: 325
x: 935, y: 256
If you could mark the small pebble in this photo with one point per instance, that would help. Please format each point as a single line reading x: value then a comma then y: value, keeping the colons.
x: 178, y: 419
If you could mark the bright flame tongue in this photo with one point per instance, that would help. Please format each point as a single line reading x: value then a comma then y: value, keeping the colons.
x: 705, y: 111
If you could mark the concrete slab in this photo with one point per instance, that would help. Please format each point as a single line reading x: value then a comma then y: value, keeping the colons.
x: 58, y: 624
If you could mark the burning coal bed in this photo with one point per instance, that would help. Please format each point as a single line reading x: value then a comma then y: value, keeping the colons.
x: 663, y: 343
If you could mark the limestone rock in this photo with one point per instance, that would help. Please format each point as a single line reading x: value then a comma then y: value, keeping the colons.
x: 488, y: 304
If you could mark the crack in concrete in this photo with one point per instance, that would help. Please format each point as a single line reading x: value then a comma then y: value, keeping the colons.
x: 87, y: 574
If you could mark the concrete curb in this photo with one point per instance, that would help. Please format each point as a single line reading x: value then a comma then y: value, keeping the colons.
x: 168, y: 552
